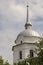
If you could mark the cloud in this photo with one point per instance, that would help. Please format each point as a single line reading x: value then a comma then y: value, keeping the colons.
x: 10, y: 11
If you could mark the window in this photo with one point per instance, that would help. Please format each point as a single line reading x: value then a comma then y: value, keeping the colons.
x: 20, y: 54
x: 21, y: 42
x: 31, y: 53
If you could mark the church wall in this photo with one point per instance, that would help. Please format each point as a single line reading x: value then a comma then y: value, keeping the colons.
x: 16, y: 53
x: 29, y: 47
x: 25, y: 48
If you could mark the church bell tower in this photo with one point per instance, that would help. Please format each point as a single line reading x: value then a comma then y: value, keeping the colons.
x: 25, y: 42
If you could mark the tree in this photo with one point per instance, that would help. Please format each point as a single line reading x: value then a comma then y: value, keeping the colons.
x: 22, y: 63
x: 1, y: 60
x: 40, y: 54
x: 15, y: 63
x: 7, y: 63
x: 37, y: 60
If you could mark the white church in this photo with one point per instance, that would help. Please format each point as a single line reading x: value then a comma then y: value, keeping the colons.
x: 25, y: 42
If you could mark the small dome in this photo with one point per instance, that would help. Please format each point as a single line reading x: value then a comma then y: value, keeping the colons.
x: 28, y: 36
x: 29, y: 32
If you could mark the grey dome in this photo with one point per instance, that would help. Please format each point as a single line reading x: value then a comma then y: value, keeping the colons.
x: 28, y: 36
x: 29, y: 32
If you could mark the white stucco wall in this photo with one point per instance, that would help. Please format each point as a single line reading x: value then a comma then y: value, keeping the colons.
x: 25, y: 48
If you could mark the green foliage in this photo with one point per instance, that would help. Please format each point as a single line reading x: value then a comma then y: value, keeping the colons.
x: 38, y: 60
x: 7, y: 63
x: 15, y: 63
x: 40, y: 54
x: 34, y: 61
x: 2, y: 61
x: 22, y: 62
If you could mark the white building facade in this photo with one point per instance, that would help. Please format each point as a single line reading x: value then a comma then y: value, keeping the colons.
x: 25, y: 43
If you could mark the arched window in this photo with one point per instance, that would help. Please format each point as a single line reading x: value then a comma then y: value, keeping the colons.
x: 20, y: 54
x: 31, y: 53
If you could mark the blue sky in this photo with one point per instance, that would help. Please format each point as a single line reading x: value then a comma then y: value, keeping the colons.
x: 12, y: 21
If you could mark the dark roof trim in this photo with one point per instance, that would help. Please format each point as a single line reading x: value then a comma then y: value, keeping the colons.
x: 21, y: 44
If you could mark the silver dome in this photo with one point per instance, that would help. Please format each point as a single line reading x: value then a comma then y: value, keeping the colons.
x: 29, y: 32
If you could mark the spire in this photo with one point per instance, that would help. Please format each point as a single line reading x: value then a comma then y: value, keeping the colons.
x: 27, y: 13
x: 28, y: 24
